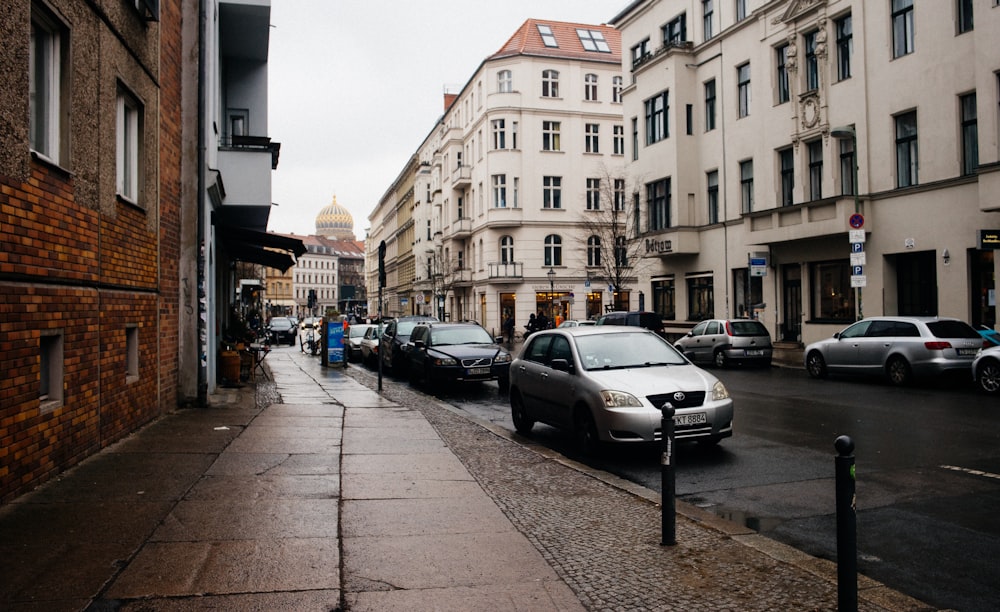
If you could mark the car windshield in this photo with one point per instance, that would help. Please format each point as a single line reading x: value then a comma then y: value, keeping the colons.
x: 280, y: 323
x: 357, y: 331
x: 616, y: 351
x: 460, y: 335
x: 952, y: 329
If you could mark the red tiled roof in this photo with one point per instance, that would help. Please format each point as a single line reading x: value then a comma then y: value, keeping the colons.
x: 528, y: 41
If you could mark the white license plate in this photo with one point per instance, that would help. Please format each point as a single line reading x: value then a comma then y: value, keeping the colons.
x: 479, y: 371
x: 968, y: 351
x: 753, y: 352
x: 697, y: 418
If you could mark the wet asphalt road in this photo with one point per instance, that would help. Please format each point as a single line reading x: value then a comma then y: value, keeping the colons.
x: 928, y: 473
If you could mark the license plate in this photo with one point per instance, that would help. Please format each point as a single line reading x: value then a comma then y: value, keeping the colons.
x: 753, y: 352
x: 479, y: 371
x: 968, y: 351
x: 690, y: 419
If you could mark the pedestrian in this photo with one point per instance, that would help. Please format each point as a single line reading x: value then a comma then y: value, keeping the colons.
x: 541, y: 321
x: 531, y: 325
x: 508, y: 328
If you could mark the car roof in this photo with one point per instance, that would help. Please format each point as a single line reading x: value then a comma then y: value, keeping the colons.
x: 594, y: 330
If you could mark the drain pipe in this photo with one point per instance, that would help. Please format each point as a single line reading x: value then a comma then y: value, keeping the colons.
x: 202, y: 258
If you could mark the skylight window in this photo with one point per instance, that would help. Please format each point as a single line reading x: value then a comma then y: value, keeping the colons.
x: 593, y: 40
x: 547, y: 36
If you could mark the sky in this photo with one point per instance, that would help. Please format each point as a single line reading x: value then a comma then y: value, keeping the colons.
x: 356, y: 85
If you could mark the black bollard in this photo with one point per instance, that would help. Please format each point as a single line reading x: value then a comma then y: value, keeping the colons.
x: 667, y: 479
x: 847, y: 526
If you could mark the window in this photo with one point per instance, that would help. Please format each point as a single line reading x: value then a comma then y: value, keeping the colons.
x: 131, y: 353
x: 593, y: 40
x: 513, y: 200
x: 965, y: 16
x: 591, y: 140
x: 713, y: 196
x: 743, y: 87
x: 639, y: 53
x: 707, y: 9
x: 45, y: 84
x: 548, y: 38
x: 832, y: 296
x: 505, y: 82
x: 616, y: 89
x: 675, y: 31
x: 741, y: 10
x: 845, y: 47
x: 553, y: 250
x: 710, y: 105
x: 970, y: 136
x: 636, y: 212
x: 513, y: 135
x: 50, y: 381
x: 500, y: 191
x: 701, y: 298
x: 550, y: 135
x: 812, y: 62
x: 635, y: 138
x: 552, y: 192
x: 786, y: 164
x: 906, y: 149
x: 815, y: 149
x: 658, y: 203
x: 746, y: 186
x: 621, y: 252
x: 663, y: 298
x: 507, y: 250
x: 618, y: 139
x: 847, y: 161
x: 657, y: 108
x: 128, y: 143
x: 499, y: 134
x: 689, y: 119
x: 590, y: 87
x: 593, y: 194
x: 619, y: 194
x: 781, y: 57
x: 594, y: 251
x: 550, y: 83
x: 902, y: 27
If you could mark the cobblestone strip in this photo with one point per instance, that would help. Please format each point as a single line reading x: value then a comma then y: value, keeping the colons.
x: 605, y: 542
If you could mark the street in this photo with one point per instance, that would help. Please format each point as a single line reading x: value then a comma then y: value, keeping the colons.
x: 928, y: 472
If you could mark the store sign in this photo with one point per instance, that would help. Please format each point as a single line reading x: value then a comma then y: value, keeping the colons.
x: 989, y: 239
x: 659, y: 246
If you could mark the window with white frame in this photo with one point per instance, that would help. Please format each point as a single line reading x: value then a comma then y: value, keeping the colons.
x: 552, y: 192
x: 741, y: 10
x: 513, y: 198
x: 591, y: 138
x: 593, y: 40
x: 594, y: 251
x: 811, y: 61
x: 499, y: 190
x: 845, y: 46
x: 906, y: 149
x: 507, y: 250
x: 553, y: 250
x: 657, y: 108
x: 743, y: 89
x: 550, y: 135
x: 746, y: 186
x: 847, y: 162
x: 781, y: 74
x: 550, y: 83
x: 619, y: 194
x: 786, y: 170
x: 49, y: 41
x: 658, y: 204
x: 590, y: 87
x: 128, y: 145
x: 709, y: 105
x: 505, y: 81
x: 618, y: 139
x: 593, y: 194
x: 712, y: 195
x: 902, y: 27
x: 815, y: 151
x: 548, y: 38
x: 513, y: 135
x: 707, y: 11
x: 970, y: 135
x: 616, y: 89
x: 499, y: 134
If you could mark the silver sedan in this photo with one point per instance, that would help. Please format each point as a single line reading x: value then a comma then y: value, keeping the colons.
x: 608, y: 384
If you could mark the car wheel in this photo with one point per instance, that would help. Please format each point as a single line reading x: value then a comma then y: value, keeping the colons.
x: 586, y: 432
x: 988, y: 376
x: 719, y: 359
x: 522, y: 422
x: 898, y: 371
x: 816, y: 365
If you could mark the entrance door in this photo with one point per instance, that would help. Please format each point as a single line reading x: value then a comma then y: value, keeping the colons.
x: 983, y: 298
x: 916, y: 284
x: 791, y: 283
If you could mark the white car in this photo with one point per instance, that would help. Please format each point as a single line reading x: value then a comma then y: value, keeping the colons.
x: 986, y: 370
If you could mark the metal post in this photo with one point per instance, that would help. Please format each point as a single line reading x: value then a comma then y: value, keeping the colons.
x: 380, y: 322
x: 668, y: 481
x: 847, y: 527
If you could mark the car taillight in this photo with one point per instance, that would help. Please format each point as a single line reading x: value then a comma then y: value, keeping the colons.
x: 937, y: 346
x: 729, y: 329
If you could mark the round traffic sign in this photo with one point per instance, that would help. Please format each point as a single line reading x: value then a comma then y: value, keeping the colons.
x: 857, y: 221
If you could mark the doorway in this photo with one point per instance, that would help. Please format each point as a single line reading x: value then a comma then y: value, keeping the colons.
x: 791, y: 298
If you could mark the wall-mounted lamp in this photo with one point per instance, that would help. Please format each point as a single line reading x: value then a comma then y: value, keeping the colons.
x: 946, y: 256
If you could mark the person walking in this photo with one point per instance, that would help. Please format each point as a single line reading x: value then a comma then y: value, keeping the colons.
x: 508, y: 328
x: 531, y: 325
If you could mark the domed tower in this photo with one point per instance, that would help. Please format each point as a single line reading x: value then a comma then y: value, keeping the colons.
x: 335, y: 222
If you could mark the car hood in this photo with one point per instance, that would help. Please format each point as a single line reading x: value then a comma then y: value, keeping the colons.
x: 467, y: 351
x: 656, y: 380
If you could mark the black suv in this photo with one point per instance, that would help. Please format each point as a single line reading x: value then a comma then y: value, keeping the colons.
x: 393, y: 345
x: 649, y: 320
x: 456, y: 352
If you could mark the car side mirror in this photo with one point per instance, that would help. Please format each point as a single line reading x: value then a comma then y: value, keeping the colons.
x: 836, y: 336
x: 497, y: 339
x: 563, y: 365
x: 419, y: 344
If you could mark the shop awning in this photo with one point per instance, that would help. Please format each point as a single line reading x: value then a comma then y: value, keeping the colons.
x: 262, y: 248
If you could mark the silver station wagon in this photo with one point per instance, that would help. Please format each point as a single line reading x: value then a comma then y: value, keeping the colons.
x: 608, y: 384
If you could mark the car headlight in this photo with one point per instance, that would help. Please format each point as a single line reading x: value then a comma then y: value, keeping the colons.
x: 502, y: 358
x: 619, y: 399
x: 719, y: 391
x: 445, y: 361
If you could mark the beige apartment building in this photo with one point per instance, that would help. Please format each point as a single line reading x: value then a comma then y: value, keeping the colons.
x: 763, y: 133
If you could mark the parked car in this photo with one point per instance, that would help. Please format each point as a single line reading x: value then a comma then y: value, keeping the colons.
x: 369, y: 346
x: 649, y: 320
x: 352, y: 341
x: 576, y: 323
x: 456, y: 352
x: 608, y: 384
x: 900, y: 348
x: 280, y: 330
x: 395, y: 336
x: 722, y: 342
x: 986, y: 370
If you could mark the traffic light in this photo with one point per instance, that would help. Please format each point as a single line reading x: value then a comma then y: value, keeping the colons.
x: 312, y: 298
x: 381, y: 264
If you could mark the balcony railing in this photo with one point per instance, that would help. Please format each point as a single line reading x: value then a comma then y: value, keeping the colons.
x: 461, y: 228
x: 461, y: 176
x: 513, y: 271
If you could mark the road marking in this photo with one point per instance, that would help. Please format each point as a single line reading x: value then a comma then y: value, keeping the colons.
x: 970, y: 471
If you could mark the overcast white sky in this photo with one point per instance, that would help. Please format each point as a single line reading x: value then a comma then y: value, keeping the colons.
x: 356, y: 85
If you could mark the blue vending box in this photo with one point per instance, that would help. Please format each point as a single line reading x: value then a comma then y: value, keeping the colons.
x: 335, y: 342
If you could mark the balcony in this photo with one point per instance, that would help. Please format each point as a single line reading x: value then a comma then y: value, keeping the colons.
x: 461, y: 278
x: 504, y: 217
x: 460, y: 228
x: 512, y: 272
x: 461, y: 176
x: 801, y: 221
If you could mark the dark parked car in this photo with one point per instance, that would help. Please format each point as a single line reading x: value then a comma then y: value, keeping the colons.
x: 649, y: 320
x: 456, y: 352
x: 395, y: 337
x: 281, y: 330
x: 721, y: 342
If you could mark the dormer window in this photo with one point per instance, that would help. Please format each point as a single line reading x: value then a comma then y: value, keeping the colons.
x: 593, y: 40
x: 547, y: 36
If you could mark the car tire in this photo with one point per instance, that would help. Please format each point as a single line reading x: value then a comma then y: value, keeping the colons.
x: 719, y: 359
x: 518, y: 413
x: 585, y: 431
x: 898, y: 371
x: 988, y: 376
x: 816, y: 365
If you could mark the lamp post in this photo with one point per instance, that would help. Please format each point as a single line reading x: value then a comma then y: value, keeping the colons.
x: 848, y: 132
x: 552, y: 285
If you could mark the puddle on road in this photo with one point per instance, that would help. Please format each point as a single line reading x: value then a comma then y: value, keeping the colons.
x: 757, y: 523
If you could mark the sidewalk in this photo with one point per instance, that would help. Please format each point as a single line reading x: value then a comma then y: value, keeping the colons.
x: 314, y: 492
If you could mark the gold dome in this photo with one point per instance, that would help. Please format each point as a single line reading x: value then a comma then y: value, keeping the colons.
x: 335, y: 222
